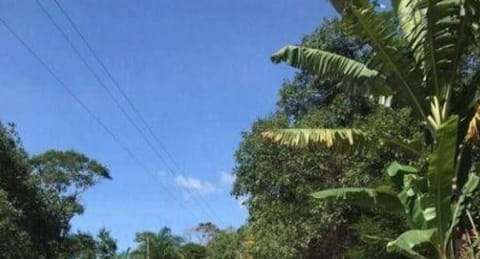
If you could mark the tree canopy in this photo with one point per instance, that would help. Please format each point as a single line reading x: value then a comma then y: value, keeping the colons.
x: 39, y: 195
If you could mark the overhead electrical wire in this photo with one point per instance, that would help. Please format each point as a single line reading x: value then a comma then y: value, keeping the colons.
x: 92, y: 114
x: 126, y: 97
x: 118, y: 104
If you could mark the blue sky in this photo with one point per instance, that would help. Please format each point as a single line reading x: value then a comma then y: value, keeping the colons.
x: 199, y: 72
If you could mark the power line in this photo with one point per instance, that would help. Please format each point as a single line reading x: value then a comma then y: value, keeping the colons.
x: 130, y: 103
x: 111, y: 95
x: 91, y: 113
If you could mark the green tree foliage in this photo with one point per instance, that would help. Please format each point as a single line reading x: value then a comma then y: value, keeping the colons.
x: 426, y: 61
x: 194, y: 251
x: 84, y: 245
x: 39, y: 196
x: 13, y: 239
x: 63, y: 176
x: 24, y: 211
x: 215, y: 243
x: 81, y: 245
x: 161, y: 245
x: 284, y: 221
x: 106, y: 245
x: 227, y: 243
x: 207, y: 231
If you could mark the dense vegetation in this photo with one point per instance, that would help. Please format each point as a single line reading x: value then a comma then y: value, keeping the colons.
x: 421, y: 54
x: 278, y: 180
x: 383, y: 101
x: 39, y: 195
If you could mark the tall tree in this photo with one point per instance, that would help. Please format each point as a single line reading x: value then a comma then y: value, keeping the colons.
x: 63, y: 176
x: 24, y: 212
x: 207, y: 231
x: 39, y: 196
x: 284, y: 222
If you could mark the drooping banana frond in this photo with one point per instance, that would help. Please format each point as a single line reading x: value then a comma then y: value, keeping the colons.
x: 382, y: 197
x: 306, y: 137
x: 390, y: 59
x: 337, y: 137
x: 325, y: 64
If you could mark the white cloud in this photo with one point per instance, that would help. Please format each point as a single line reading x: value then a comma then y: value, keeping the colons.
x: 194, y: 184
x: 227, y: 178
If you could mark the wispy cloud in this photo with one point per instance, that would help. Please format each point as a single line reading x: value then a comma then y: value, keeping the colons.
x: 227, y: 178
x: 194, y: 184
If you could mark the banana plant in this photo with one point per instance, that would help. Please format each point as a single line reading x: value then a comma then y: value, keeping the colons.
x: 420, y: 61
x: 433, y: 211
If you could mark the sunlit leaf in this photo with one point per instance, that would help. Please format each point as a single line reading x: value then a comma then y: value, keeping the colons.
x: 409, y: 240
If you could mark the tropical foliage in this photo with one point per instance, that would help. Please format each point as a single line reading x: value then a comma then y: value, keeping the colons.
x: 423, y: 59
x: 382, y: 117
x: 277, y: 179
x: 223, y: 244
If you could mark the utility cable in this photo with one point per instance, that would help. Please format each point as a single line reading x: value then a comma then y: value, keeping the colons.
x: 91, y: 113
x: 131, y: 105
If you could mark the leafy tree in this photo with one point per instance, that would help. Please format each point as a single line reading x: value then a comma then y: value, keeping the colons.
x: 81, y: 245
x: 161, y: 245
x: 207, y: 231
x: 14, y: 242
x: 284, y: 222
x: 424, y: 62
x: 84, y: 245
x: 25, y: 214
x: 39, y: 196
x: 228, y: 244
x: 106, y: 245
x: 63, y: 176
x: 194, y: 251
